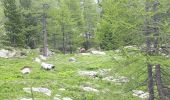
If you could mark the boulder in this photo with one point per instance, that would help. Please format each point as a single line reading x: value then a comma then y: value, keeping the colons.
x: 47, y: 66
x: 4, y: 53
x: 26, y: 70
x: 7, y: 54
x: 12, y: 53
x: 72, y: 59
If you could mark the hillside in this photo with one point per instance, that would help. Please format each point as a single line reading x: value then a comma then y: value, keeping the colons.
x: 113, y: 76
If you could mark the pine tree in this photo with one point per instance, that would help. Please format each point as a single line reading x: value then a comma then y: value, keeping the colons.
x: 89, y: 8
x: 29, y: 24
x: 13, y: 23
x: 65, y: 21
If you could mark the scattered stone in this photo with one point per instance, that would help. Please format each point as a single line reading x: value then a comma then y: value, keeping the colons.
x: 56, y: 98
x: 105, y: 90
x: 26, y: 99
x: 26, y: 70
x: 103, y: 72
x: 72, y: 59
x: 120, y: 79
x: 91, y: 74
x: 47, y: 66
x: 6, y: 53
x: 117, y: 51
x: 118, y: 58
x: 67, y: 98
x: 62, y: 89
x: 57, y: 95
x: 90, y: 89
x: 12, y: 53
x: 39, y: 89
x: 85, y: 54
x: 98, y: 53
x: 42, y: 57
x: 130, y: 47
x: 37, y: 60
x: 140, y: 94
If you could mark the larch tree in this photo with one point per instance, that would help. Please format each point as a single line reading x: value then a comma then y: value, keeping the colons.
x: 13, y: 23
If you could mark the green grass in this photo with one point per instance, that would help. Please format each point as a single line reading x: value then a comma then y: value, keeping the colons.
x: 65, y: 75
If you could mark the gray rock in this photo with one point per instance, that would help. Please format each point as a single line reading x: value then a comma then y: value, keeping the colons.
x: 85, y: 54
x: 7, y: 54
x: 56, y: 98
x: 91, y: 74
x: 103, y: 72
x: 140, y: 94
x: 62, y: 89
x: 26, y: 70
x: 38, y: 89
x: 90, y: 89
x: 98, y: 53
x: 38, y: 60
x: 42, y: 57
x: 72, y: 59
x: 66, y: 98
x: 120, y: 79
x: 47, y: 66
x: 26, y: 99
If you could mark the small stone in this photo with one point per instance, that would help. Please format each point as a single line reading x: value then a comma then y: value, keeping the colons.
x: 85, y: 54
x: 42, y: 57
x: 98, y: 53
x: 67, y: 98
x: 56, y: 98
x: 120, y: 79
x: 47, y: 66
x: 26, y: 99
x: 72, y: 59
x: 39, y: 89
x: 37, y: 60
x: 90, y: 89
x: 140, y: 94
x: 61, y: 89
x: 91, y: 74
x: 26, y: 70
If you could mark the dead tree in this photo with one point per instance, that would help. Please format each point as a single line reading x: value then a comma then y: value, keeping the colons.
x: 156, y: 27
x: 159, y: 83
x: 45, y: 44
x: 150, y: 82
x: 148, y: 44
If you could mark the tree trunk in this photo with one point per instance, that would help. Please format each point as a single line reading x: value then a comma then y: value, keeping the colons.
x: 156, y: 27
x: 150, y: 82
x: 159, y: 83
x: 45, y: 45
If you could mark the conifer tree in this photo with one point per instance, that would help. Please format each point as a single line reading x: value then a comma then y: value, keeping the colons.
x: 13, y: 23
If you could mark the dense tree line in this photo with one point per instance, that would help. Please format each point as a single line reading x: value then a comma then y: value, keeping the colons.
x: 108, y: 24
